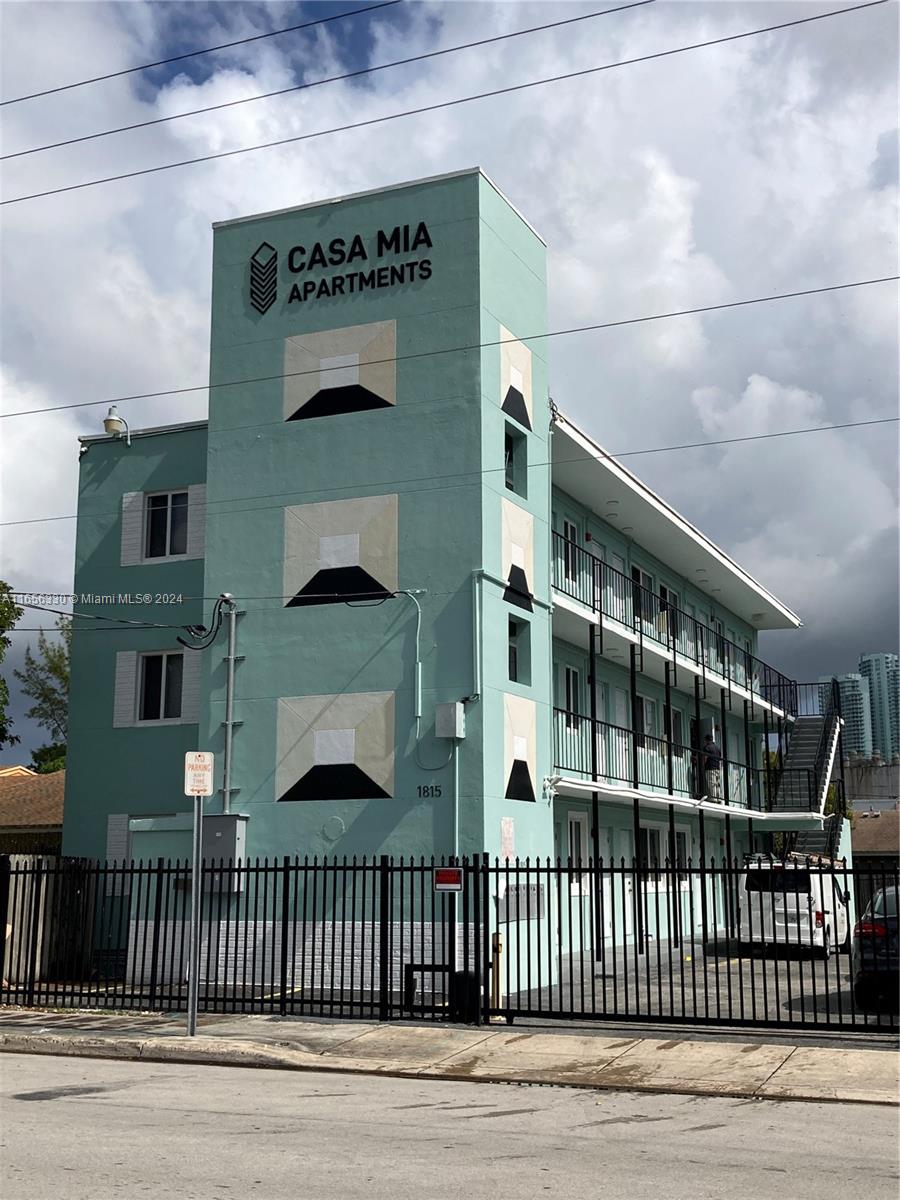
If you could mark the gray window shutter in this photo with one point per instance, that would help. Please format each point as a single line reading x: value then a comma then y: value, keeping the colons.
x: 190, y: 687
x: 125, y: 701
x: 118, y: 852
x: 118, y: 848
x: 196, y: 531
x: 132, y: 529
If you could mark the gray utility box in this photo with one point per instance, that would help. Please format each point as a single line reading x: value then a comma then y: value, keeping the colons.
x: 224, y: 838
x: 450, y: 720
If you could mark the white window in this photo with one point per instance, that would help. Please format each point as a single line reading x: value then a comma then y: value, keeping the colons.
x: 579, y: 851
x: 151, y: 687
x: 656, y: 853
x: 677, y: 733
x: 160, y: 686
x: 570, y: 533
x: 165, y: 524
x: 161, y: 527
x: 573, y: 695
x: 650, y: 852
x: 646, y: 719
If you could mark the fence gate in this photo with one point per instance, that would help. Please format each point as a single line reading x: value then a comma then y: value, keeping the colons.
x: 768, y: 942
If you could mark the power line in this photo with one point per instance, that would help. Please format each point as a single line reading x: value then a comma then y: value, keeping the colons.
x: 431, y: 478
x: 400, y: 62
x: 534, y: 337
x: 162, y: 62
x: 428, y: 108
x: 59, y: 612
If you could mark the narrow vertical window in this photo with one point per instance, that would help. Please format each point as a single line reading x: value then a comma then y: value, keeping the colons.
x: 166, y: 525
x: 160, y: 683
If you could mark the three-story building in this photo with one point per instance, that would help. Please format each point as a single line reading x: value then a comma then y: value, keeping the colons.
x: 455, y: 624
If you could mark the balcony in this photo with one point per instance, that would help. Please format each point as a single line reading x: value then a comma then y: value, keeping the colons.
x: 654, y: 621
x: 616, y: 758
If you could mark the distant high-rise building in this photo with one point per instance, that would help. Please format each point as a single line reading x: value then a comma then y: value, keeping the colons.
x: 857, y: 714
x: 882, y: 671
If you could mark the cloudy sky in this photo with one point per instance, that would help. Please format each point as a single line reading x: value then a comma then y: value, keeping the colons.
x: 763, y: 165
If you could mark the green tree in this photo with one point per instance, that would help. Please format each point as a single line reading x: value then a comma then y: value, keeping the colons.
x: 9, y: 614
x: 45, y: 680
x: 47, y: 759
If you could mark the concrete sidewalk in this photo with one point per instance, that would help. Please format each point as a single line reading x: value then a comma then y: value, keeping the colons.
x: 742, y: 1069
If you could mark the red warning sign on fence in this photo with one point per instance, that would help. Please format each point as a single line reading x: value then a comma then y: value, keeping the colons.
x: 448, y: 879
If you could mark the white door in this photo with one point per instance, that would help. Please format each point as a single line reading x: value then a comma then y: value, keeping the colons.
x: 616, y: 604
x: 599, y: 733
x: 607, y: 882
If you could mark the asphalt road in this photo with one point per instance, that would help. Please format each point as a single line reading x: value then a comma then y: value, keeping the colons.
x: 91, y: 1130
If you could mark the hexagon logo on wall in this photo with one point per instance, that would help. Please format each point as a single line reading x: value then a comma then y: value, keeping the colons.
x: 515, y: 379
x: 517, y: 554
x: 340, y: 371
x: 519, y: 742
x: 340, y: 549
x: 337, y: 747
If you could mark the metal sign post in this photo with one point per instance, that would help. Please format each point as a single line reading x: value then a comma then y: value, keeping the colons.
x: 198, y: 782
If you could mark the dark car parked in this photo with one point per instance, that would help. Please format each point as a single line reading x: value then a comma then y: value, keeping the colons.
x: 876, y: 951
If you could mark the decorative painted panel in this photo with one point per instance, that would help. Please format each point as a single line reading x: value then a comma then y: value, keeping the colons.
x: 337, y: 747
x: 517, y: 554
x: 340, y: 371
x: 339, y: 549
x: 519, y: 747
x: 515, y: 379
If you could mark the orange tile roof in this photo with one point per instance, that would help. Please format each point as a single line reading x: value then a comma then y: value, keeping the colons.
x: 32, y: 801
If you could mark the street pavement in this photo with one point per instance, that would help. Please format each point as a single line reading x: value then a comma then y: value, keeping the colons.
x: 78, y: 1129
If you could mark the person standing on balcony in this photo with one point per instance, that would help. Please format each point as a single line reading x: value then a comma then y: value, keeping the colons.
x: 712, y: 767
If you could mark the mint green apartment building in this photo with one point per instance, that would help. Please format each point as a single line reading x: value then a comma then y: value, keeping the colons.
x: 460, y: 627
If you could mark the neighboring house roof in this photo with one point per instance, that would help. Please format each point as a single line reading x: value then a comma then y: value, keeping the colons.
x: 876, y: 833
x: 16, y: 772
x: 32, y: 801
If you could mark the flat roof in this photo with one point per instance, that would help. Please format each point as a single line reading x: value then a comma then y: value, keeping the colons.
x: 90, y: 438
x: 642, y: 516
x: 391, y: 187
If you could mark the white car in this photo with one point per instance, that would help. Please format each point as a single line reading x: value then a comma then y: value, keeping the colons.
x: 794, y: 904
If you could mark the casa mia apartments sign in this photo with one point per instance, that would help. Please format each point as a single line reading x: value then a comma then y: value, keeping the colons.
x: 392, y: 258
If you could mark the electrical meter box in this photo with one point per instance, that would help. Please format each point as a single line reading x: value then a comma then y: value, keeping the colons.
x: 450, y: 720
x: 224, y: 838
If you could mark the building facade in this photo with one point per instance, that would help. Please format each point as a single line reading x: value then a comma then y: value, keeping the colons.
x: 882, y: 671
x: 455, y: 624
x: 856, y: 710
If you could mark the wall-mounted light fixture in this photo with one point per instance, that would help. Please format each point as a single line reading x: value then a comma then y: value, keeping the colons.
x: 115, y: 424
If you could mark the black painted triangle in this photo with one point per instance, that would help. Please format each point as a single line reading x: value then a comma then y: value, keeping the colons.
x: 335, y: 781
x: 518, y: 591
x: 514, y: 406
x: 329, y: 402
x: 337, y: 584
x: 519, y: 785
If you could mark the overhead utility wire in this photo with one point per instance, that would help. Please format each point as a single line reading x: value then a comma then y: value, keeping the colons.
x: 162, y: 62
x: 428, y: 108
x: 431, y: 478
x: 300, y: 87
x: 532, y: 337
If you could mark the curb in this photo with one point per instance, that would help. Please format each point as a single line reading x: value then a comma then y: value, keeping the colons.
x: 218, y: 1053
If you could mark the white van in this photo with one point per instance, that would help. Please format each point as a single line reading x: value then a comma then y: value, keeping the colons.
x: 793, y: 904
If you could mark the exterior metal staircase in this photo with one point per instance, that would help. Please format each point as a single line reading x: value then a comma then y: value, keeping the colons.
x: 805, y: 774
x: 820, y: 843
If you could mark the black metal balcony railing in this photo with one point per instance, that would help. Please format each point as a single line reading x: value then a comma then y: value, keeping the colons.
x: 618, y: 757
x: 586, y: 578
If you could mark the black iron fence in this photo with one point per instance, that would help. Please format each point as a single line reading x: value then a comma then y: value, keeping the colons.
x: 658, y: 619
x: 773, y: 942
